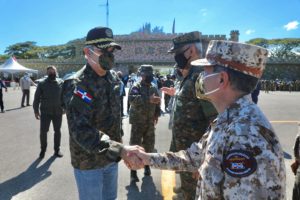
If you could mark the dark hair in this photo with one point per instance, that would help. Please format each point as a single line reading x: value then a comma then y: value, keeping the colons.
x: 238, y: 80
x: 51, y: 67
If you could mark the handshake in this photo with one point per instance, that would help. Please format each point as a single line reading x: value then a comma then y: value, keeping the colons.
x: 135, y: 157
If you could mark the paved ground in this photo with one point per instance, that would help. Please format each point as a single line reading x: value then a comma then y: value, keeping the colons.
x: 23, y: 177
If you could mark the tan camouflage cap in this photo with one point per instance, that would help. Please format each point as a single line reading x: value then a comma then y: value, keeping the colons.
x: 246, y: 58
x: 187, y: 38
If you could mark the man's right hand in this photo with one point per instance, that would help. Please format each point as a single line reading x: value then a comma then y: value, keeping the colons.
x: 37, y: 116
x: 169, y: 91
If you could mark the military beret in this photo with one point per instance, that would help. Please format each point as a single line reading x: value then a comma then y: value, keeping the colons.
x: 101, y: 37
x: 246, y: 58
x: 187, y: 38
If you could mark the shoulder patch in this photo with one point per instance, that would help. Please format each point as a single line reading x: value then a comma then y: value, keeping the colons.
x: 239, y: 163
x: 86, y: 97
x: 134, y: 90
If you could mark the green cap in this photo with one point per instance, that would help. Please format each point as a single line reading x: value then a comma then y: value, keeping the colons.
x: 187, y: 38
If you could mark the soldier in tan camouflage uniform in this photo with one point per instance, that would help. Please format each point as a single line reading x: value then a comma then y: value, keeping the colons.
x: 240, y: 156
x: 295, y: 166
x: 92, y: 101
x: 191, y: 116
x: 144, y: 111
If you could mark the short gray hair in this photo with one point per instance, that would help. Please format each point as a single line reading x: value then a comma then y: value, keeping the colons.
x: 238, y: 80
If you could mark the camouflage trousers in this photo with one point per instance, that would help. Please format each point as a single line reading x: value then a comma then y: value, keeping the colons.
x: 143, y: 135
x: 188, y: 183
x: 296, y: 189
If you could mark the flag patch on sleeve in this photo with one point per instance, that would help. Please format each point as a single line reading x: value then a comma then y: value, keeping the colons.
x: 86, y: 97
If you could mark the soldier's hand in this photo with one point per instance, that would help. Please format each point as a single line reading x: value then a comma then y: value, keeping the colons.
x: 294, y: 167
x: 155, y: 120
x: 129, y: 155
x: 154, y: 99
x: 169, y: 91
x: 37, y: 116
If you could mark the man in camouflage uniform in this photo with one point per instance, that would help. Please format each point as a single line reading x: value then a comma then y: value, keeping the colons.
x: 240, y: 156
x: 296, y: 168
x: 92, y: 101
x: 191, y: 116
x: 144, y: 111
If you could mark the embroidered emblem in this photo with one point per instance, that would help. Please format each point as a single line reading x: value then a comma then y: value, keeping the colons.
x: 86, y: 97
x: 239, y: 163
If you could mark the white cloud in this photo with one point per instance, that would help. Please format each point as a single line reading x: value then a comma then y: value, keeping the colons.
x: 203, y: 12
x: 249, y: 31
x: 291, y: 25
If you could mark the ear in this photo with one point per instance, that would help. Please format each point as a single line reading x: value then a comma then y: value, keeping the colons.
x: 224, y: 79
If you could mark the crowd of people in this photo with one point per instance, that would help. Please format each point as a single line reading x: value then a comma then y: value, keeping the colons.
x: 223, y: 147
x: 280, y: 85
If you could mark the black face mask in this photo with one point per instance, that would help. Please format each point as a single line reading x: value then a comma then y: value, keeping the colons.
x: 52, y: 76
x: 106, y: 60
x: 181, y: 60
x: 148, y: 79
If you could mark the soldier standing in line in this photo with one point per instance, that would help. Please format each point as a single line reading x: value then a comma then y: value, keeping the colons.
x: 144, y: 110
x: 295, y: 167
x: 92, y: 102
x: 191, y: 116
x: 240, y: 156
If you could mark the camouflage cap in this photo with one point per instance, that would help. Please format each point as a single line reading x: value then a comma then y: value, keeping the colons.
x: 246, y: 58
x: 187, y: 38
x: 101, y: 37
x: 145, y: 70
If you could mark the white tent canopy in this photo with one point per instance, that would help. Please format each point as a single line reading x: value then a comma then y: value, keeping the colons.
x: 11, y: 65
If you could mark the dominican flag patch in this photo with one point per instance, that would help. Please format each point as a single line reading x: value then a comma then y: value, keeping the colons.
x: 86, y: 97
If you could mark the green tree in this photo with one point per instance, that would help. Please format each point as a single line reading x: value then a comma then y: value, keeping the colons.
x: 280, y: 48
x: 19, y: 49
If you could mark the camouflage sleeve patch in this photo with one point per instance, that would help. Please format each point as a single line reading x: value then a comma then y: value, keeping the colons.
x: 239, y: 163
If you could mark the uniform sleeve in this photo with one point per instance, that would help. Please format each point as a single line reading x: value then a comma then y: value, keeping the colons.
x: 253, y: 167
x: 37, y: 98
x: 86, y: 135
x: 296, y: 148
x: 135, y: 97
x: 185, y: 160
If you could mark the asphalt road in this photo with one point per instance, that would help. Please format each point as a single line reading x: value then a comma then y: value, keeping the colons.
x: 23, y: 177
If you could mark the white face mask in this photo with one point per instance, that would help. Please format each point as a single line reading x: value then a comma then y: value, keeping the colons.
x: 201, y: 93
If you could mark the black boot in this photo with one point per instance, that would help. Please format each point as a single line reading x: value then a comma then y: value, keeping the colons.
x: 133, y: 176
x: 147, y: 171
x: 58, y: 154
x: 42, y: 155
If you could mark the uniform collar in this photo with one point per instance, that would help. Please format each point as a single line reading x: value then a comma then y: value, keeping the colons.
x: 234, y: 109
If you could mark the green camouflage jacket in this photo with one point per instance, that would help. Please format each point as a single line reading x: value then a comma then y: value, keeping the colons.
x: 94, y: 118
x: 141, y: 110
x: 191, y: 115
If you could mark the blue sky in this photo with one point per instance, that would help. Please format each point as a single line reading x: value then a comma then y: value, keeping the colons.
x: 54, y: 22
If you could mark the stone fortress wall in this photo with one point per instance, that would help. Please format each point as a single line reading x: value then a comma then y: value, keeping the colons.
x: 152, y: 49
